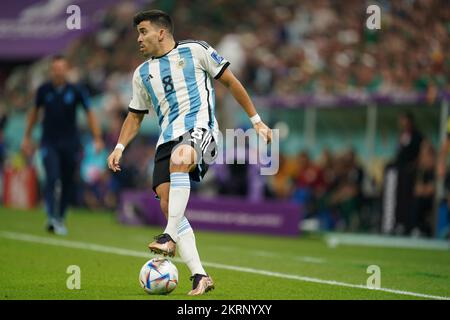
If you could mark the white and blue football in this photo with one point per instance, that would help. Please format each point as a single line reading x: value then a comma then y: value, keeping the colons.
x: 158, y: 276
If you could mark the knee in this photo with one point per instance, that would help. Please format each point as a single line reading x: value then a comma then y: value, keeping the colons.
x: 182, y: 159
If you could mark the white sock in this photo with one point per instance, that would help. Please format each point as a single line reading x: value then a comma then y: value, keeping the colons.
x: 183, y: 227
x: 180, y: 187
x: 187, y: 248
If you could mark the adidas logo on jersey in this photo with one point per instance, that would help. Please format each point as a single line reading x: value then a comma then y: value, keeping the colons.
x: 181, y: 63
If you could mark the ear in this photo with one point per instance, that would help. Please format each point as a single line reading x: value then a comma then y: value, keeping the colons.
x: 162, y: 34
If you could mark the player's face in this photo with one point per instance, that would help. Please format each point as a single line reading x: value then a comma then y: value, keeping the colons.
x: 58, y: 71
x: 149, y: 38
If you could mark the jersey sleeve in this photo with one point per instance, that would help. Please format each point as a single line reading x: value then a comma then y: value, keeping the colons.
x: 212, y: 62
x: 140, y: 101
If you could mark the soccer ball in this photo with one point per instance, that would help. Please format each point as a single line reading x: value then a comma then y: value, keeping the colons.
x: 158, y: 276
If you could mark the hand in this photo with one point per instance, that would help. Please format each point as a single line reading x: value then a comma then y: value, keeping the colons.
x: 98, y: 145
x: 27, y: 147
x: 264, y: 131
x: 114, y: 159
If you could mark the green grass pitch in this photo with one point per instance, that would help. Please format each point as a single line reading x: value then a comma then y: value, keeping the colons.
x: 33, y: 263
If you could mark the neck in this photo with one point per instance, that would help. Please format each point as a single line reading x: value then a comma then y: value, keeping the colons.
x: 58, y: 83
x: 166, y: 46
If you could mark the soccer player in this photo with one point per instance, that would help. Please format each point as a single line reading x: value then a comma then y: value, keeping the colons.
x: 60, y: 142
x: 176, y: 80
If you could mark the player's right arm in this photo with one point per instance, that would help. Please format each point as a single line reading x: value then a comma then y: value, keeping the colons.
x: 139, y: 106
x: 33, y: 115
x: 129, y: 130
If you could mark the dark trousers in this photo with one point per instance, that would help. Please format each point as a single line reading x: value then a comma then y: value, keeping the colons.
x: 60, y: 164
x: 405, y: 197
x: 422, y: 215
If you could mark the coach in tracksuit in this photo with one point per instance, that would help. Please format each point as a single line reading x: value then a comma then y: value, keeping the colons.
x: 60, y: 142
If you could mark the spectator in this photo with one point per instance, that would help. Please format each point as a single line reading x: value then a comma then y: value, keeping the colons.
x: 346, y: 194
x: 281, y: 185
x: 282, y: 48
x: 309, y: 183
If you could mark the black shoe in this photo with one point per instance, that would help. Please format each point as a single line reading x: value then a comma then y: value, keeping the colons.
x: 163, y: 238
x: 50, y: 228
x: 201, y: 284
x: 196, y: 277
x: 164, y: 245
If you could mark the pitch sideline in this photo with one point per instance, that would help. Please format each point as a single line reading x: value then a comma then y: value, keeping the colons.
x: 133, y: 253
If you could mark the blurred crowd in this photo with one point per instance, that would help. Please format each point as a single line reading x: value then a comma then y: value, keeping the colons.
x: 329, y: 189
x: 276, y: 47
x: 323, y: 46
x: 339, y: 194
x: 279, y: 48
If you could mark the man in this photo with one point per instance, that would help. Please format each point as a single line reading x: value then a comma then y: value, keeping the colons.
x: 176, y: 82
x: 60, y: 141
x: 410, y: 140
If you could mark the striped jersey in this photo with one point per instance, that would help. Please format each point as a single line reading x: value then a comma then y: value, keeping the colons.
x: 178, y: 86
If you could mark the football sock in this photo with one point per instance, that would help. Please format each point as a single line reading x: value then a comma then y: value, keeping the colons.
x: 180, y: 187
x: 188, y: 250
x: 183, y: 227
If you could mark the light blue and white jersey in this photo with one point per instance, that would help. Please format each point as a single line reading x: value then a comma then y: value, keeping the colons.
x: 178, y: 85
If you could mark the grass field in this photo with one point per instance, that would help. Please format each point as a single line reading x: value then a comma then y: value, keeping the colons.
x: 33, y: 264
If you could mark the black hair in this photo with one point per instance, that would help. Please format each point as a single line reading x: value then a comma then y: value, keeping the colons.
x: 58, y: 57
x: 158, y: 17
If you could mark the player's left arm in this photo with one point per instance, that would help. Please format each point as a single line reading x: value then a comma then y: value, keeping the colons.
x: 95, y: 129
x: 93, y: 124
x: 240, y: 94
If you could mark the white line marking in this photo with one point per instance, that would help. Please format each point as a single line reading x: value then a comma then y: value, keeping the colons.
x: 261, y: 253
x: 269, y: 254
x: 127, y: 252
x: 335, y: 239
x: 309, y: 259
